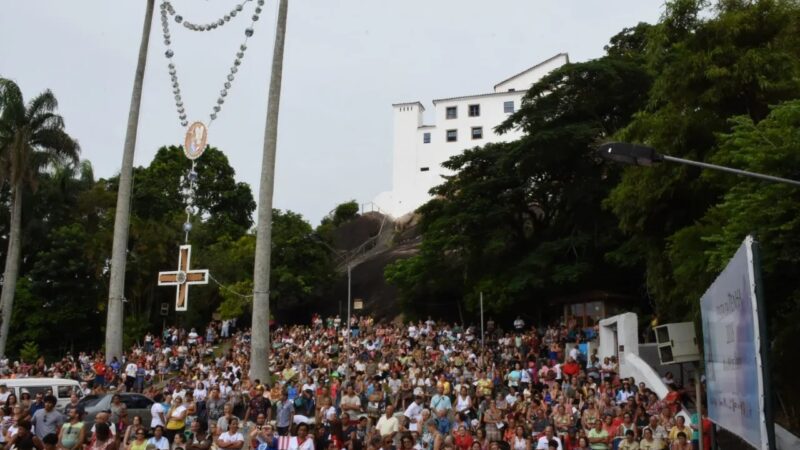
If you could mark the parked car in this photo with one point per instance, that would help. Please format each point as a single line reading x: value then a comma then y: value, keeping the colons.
x: 61, y: 388
x: 137, y: 405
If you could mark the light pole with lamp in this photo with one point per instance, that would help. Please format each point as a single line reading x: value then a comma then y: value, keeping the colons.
x: 640, y: 155
x: 316, y: 238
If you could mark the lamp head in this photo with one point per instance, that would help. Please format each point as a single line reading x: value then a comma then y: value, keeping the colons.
x: 632, y: 154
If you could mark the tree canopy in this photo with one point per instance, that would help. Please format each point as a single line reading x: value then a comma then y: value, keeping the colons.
x: 540, y: 217
x: 67, y: 229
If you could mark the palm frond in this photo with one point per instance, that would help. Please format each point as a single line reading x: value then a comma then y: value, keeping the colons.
x: 12, y: 105
x: 32, y: 138
x: 46, y: 120
x: 41, y: 104
x: 57, y: 143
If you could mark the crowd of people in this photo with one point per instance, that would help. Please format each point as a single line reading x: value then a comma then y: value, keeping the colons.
x: 363, y: 385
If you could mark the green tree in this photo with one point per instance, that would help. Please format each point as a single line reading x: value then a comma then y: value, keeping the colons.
x: 343, y: 213
x: 32, y: 138
x: 302, y: 270
x: 225, y: 209
x: 736, y: 62
x: 699, y: 252
x: 522, y: 220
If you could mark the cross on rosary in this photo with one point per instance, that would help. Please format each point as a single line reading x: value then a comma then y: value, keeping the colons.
x: 183, y: 277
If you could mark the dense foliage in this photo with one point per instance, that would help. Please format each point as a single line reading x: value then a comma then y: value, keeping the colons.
x: 67, y: 229
x: 532, y: 220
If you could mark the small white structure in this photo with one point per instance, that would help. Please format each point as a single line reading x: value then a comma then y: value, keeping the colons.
x: 618, y: 336
x: 460, y: 123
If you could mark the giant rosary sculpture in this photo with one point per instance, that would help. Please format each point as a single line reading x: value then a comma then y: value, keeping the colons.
x: 195, y: 141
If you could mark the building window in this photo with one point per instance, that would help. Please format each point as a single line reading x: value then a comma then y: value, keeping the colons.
x: 426, y: 138
x: 451, y: 112
x: 474, y: 110
x: 452, y: 135
x: 477, y: 132
x: 508, y: 107
x: 424, y: 169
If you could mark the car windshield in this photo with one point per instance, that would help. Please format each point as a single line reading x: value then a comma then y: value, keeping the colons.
x: 90, y: 400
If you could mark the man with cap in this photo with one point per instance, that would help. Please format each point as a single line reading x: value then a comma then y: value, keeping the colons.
x: 305, y: 407
x: 413, y: 412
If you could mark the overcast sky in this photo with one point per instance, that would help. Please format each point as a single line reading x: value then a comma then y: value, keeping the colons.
x: 346, y: 62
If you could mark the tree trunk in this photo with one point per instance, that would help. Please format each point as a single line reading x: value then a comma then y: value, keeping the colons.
x: 12, y: 267
x: 259, y: 354
x: 116, y: 288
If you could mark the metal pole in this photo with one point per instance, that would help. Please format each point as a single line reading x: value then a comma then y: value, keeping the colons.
x: 347, y: 327
x: 122, y: 217
x: 745, y: 173
x: 698, y: 401
x: 714, y: 436
x: 761, y: 316
x: 260, y: 349
x: 483, y: 335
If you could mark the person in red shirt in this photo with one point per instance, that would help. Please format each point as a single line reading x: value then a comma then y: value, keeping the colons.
x: 673, y: 399
x: 570, y: 368
x: 99, y: 369
x: 463, y: 439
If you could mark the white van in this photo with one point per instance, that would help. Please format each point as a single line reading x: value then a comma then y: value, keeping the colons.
x: 61, y: 388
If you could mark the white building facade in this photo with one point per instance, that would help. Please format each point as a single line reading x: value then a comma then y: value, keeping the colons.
x: 460, y: 123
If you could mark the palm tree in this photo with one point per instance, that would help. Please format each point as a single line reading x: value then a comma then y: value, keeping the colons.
x: 260, y: 345
x: 32, y: 139
x: 122, y: 216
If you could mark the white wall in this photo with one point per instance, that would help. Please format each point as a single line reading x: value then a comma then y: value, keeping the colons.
x: 524, y: 80
x: 626, y: 328
x: 417, y: 167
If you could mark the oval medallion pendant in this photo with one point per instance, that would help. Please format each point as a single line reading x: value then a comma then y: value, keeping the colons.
x: 196, y: 140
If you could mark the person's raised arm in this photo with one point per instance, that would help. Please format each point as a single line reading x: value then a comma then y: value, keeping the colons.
x: 10, y: 442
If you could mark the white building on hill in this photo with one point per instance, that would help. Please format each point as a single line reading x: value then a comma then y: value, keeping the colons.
x: 459, y: 123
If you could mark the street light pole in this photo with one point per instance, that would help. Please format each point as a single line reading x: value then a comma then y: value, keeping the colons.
x: 347, y: 327
x: 741, y: 172
x: 640, y: 155
x: 483, y: 335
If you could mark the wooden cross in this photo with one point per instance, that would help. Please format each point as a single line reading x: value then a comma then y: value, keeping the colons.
x: 183, y: 277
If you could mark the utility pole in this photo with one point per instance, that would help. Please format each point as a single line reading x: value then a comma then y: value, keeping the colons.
x: 347, y: 327
x: 260, y: 349
x: 122, y: 219
x: 483, y: 335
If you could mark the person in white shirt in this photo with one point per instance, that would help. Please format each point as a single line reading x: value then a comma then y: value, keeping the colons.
x: 574, y: 353
x: 103, y: 417
x: 193, y: 337
x: 511, y: 398
x: 4, y: 392
x: 130, y: 375
x: 350, y: 401
x: 544, y: 441
x: 157, y: 412
x: 463, y: 400
x: 413, y: 412
x: 302, y: 441
x: 200, y: 392
x: 232, y: 439
x: 158, y: 439
x: 388, y: 425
